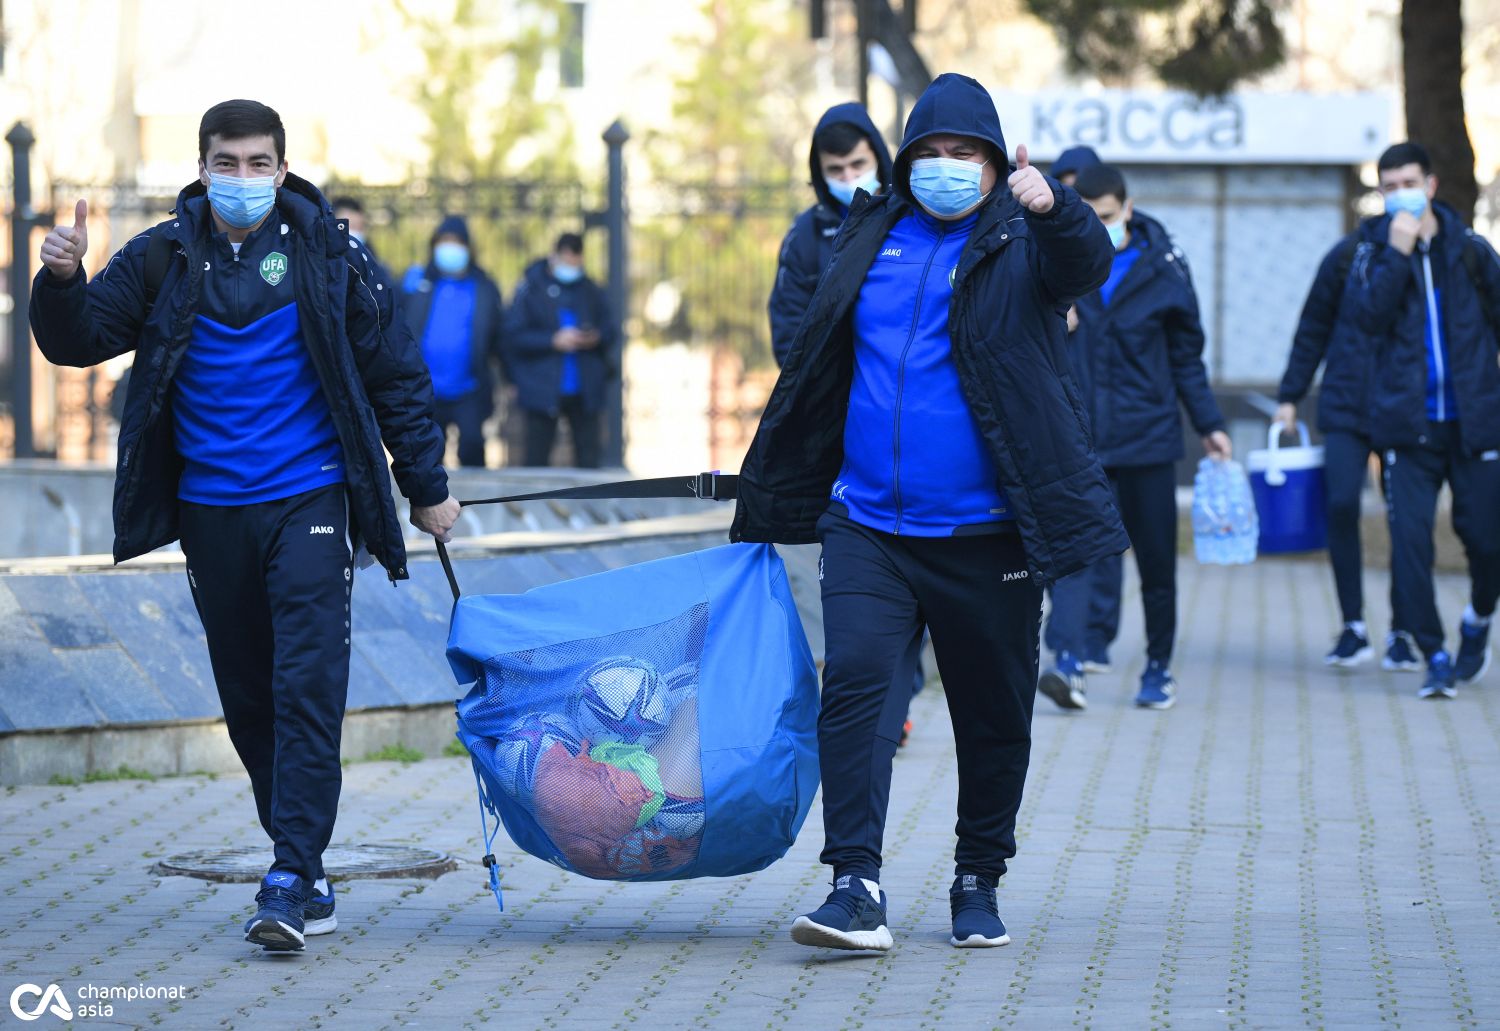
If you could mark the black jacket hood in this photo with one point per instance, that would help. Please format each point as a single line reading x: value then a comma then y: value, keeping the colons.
x: 954, y: 104
x: 855, y: 115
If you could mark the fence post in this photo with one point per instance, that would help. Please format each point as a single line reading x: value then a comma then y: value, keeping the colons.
x: 21, y: 218
x: 616, y: 221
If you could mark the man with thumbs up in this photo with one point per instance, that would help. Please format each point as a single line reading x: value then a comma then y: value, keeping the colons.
x: 271, y: 377
x: 927, y: 430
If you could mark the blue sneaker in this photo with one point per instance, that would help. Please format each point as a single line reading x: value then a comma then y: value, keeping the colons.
x: 976, y: 918
x: 1064, y: 684
x: 1096, y: 659
x: 1473, y: 652
x: 317, y: 910
x: 277, y: 923
x: 852, y: 918
x: 1400, y: 653
x: 1158, y: 689
x: 1439, y: 682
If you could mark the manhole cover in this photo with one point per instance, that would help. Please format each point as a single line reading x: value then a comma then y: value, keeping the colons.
x: 249, y: 865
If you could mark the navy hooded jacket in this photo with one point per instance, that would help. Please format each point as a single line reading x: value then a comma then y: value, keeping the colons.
x: 1326, y: 335
x: 1142, y: 353
x: 534, y: 316
x: 369, y: 369
x: 1014, y: 281
x: 808, y: 245
x: 1390, y: 309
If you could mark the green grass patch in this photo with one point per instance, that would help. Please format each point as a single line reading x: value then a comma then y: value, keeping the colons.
x: 397, y: 753
x: 455, y: 749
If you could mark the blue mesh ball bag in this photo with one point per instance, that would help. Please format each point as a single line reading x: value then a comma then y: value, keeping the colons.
x: 649, y: 723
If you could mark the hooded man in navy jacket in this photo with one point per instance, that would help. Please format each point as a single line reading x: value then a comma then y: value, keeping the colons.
x: 1139, y: 347
x: 927, y: 430
x: 847, y: 154
x: 1427, y: 298
x: 271, y: 376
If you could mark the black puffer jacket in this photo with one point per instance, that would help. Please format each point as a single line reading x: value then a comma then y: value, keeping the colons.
x: 371, y: 372
x: 1142, y: 353
x: 1014, y: 283
x: 1390, y: 309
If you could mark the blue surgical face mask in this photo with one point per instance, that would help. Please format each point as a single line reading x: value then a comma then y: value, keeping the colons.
x: 946, y: 186
x: 1412, y: 198
x: 567, y: 273
x: 1116, y: 232
x: 241, y: 202
x: 843, y: 192
x: 450, y: 257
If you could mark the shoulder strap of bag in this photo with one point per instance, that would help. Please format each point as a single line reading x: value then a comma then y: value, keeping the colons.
x: 712, y: 486
x: 158, y: 257
x: 1471, y: 265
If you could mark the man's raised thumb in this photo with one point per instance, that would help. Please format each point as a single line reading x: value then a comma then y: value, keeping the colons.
x: 81, y: 216
x: 1021, y: 161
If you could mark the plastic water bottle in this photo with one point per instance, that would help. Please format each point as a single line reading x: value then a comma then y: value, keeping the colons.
x: 1225, y: 525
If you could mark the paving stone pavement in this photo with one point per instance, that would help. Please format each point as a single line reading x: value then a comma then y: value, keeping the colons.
x: 1288, y: 847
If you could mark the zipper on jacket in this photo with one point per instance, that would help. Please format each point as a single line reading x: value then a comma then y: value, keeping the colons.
x: 911, y: 336
x: 1436, y: 329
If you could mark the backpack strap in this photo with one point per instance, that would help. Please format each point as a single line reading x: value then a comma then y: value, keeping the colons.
x: 1471, y: 265
x: 158, y: 257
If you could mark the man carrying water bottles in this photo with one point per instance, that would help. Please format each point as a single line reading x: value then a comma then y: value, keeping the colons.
x: 1139, y: 350
x: 927, y: 430
x: 1428, y: 300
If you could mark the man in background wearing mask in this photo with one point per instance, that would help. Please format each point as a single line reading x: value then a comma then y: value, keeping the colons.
x: 562, y: 349
x: 1326, y: 335
x: 453, y: 307
x: 1428, y: 297
x: 847, y: 154
x: 1139, y: 349
x: 249, y: 432
x: 945, y: 466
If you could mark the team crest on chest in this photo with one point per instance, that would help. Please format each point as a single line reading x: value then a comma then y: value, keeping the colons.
x: 273, y: 267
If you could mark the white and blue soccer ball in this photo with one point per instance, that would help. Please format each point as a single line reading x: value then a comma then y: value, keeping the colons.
x: 680, y: 817
x: 621, y: 699
x: 520, y: 745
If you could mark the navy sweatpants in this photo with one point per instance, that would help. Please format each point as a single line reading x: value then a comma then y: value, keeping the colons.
x: 983, y: 610
x: 1346, y: 468
x: 1413, y: 478
x: 272, y: 584
x: 1086, y: 606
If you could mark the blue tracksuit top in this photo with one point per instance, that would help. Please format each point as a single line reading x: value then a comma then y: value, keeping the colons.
x: 915, y: 461
x: 249, y: 414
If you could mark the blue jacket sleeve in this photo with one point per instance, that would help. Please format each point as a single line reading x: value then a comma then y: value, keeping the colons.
x: 81, y: 323
x: 1073, y: 249
x: 397, y: 383
x: 1315, y: 327
x: 797, y: 274
x: 1184, y: 331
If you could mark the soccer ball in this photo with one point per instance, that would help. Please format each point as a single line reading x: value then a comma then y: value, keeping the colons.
x: 680, y: 817
x: 621, y: 699
x: 521, y: 743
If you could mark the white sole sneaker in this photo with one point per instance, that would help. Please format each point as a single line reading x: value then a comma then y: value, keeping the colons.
x: 1359, y: 658
x: 274, y: 936
x: 1484, y: 667
x: 1065, y: 695
x: 805, y: 932
x: 979, y: 941
x: 327, y: 925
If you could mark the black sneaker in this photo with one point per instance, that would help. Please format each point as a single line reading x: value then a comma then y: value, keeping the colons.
x: 1352, y: 649
x: 1064, y: 683
x: 1473, y: 652
x: 277, y: 923
x: 317, y: 911
x: 1400, y: 653
x: 976, y: 918
x: 1439, y: 682
x: 852, y: 918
